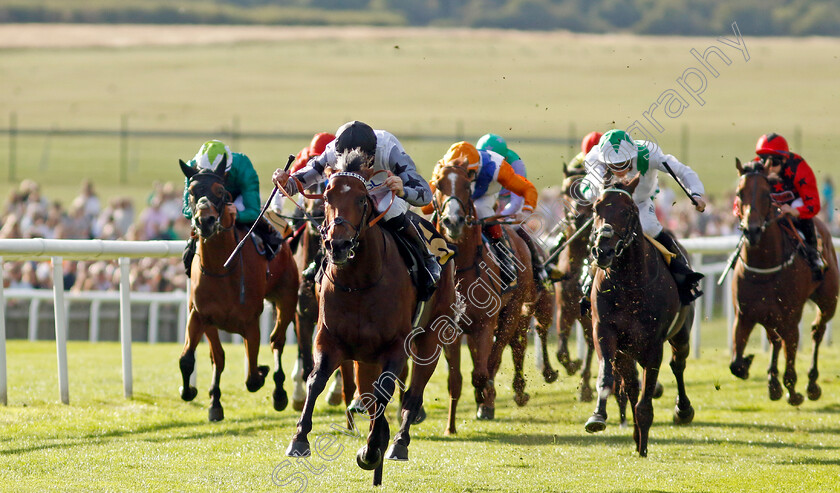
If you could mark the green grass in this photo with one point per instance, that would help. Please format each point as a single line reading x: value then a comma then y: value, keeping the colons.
x: 739, y: 441
x: 418, y: 82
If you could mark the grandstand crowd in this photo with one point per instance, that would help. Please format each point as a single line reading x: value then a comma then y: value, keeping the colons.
x: 27, y: 213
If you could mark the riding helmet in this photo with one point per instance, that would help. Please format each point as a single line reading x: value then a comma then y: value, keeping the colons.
x: 355, y: 135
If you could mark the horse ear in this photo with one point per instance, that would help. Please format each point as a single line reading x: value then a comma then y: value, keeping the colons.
x: 631, y: 186
x: 565, y: 170
x: 367, y: 173
x: 220, y: 169
x: 739, y: 166
x: 188, y: 170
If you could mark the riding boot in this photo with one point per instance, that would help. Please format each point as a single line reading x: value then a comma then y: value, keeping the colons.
x: 540, y: 275
x: 270, y: 237
x: 811, y: 250
x: 429, y: 279
x: 502, y: 253
x: 311, y: 270
x: 189, y: 253
x: 685, y: 277
x: 586, y: 278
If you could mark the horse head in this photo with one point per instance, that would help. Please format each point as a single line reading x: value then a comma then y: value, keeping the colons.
x: 453, y: 196
x: 207, y: 197
x: 577, y: 208
x: 752, y: 199
x: 616, y: 223
x: 347, y: 207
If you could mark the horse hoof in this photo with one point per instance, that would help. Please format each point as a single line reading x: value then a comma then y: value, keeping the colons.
x: 188, y: 394
x: 298, y: 449
x: 814, y: 391
x: 643, y: 452
x: 365, y: 464
x: 334, y: 399
x: 595, y: 424
x: 585, y: 394
x: 485, y: 413
x: 550, y: 375
x: 795, y: 399
x: 450, y: 432
x: 658, y: 390
x: 683, y: 417
x: 421, y: 416
x: 572, y: 366
x: 263, y: 370
x: 356, y: 407
x: 298, y: 405
x: 397, y: 452
x: 521, y: 399
x: 281, y: 400
x: 216, y: 413
x: 255, y: 382
x: 774, y: 388
x: 623, y: 425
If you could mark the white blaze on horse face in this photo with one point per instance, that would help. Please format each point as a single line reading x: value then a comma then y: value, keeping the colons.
x: 453, y: 208
x: 345, y: 188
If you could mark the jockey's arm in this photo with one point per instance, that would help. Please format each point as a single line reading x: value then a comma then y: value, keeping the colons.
x: 518, y: 185
x: 415, y: 188
x: 516, y: 202
x: 687, y: 176
x: 248, y: 183
x: 430, y: 207
x: 806, y: 187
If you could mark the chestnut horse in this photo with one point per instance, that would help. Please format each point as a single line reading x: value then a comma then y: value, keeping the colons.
x: 771, y: 283
x: 366, y: 305
x: 492, y: 317
x: 635, y: 309
x: 231, y: 298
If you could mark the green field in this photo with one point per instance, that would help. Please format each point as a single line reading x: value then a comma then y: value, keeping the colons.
x: 739, y: 441
x: 412, y: 82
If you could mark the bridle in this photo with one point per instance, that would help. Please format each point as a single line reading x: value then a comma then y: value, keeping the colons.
x: 607, y: 231
x: 468, y: 208
x: 768, y: 218
x: 205, y: 202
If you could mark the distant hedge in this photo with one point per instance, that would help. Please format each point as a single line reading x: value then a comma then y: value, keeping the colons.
x: 666, y: 17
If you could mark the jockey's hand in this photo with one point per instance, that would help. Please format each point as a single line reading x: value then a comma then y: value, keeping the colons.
x: 395, y: 184
x: 788, y: 210
x: 280, y: 178
x: 700, y: 204
x: 230, y: 208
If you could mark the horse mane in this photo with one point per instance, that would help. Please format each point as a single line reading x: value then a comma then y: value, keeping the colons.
x: 754, y: 167
x: 353, y: 161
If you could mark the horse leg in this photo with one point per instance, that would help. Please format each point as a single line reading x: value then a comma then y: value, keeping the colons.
x: 598, y: 421
x: 621, y: 396
x: 740, y: 365
x: 217, y: 356
x: 565, y: 321
x: 643, y: 411
x: 626, y: 388
x: 586, y: 374
x: 791, y: 340
x: 413, y: 401
x: 187, y: 360
x: 773, y: 386
x: 517, y: 349
x: 680, y: 347
x: 369, y: 457
x: 285, y: 309
x: 455, y: 384
x: 543, y: 316
x: 256, y: 374
x: 336, y: 390
x: 479, y: 344
x: 305, y: 318
x: 348, y: 389
x: 325, y: 364
x: 817, y: 333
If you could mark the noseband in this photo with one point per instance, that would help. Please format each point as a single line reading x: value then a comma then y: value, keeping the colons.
x: 205, y: 202
x: 608, y: 231
x: 768, y: 217
x: 339, y: 221
x: 469, y: 217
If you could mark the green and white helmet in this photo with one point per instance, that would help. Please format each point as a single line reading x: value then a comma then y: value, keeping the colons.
x: 210, y: 155
x: 616, y: 146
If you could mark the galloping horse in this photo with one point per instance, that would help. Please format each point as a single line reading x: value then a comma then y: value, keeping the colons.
x: 492, y: 318
x: 635, y: 309
x: 771, y: 284
x: 366, y: 305
x: 231, y: 299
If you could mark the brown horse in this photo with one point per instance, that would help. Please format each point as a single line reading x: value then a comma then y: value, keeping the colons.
x: 231, y: 298
x: 771, y: 284
x: 635, y: 309
x: 492, y: 319
x: 366, y: 305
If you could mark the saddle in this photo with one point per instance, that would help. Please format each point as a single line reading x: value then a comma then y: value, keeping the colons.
x: 667, y: 255
x: 435, y: 243
x: 501, y: 251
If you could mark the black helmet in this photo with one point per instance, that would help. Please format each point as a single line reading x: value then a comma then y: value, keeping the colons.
x: 354, y: 135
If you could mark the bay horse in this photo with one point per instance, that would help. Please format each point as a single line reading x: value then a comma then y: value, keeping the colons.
x: 492, y: 318
x: 231, y: 298
x: 366, y: 303
x: 635, y: 309
x: 771, y: 283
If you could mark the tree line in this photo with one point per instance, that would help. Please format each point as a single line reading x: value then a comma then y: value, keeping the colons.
x: 651, y: 17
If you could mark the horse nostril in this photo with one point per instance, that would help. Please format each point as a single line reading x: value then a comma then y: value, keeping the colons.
x: 446, y: 221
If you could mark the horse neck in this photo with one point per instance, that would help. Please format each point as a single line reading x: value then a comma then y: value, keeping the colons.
x: 630, y: 269
x: 770, y: 250
x: 215, y: 250
x: 468, y: 246
x: 366, y: 267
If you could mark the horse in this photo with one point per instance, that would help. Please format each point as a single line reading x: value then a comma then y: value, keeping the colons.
x: 635, y: 309
x: 771, y: 283
x: 492, y: 317
x: 366, y: 303
x: 231, y: 298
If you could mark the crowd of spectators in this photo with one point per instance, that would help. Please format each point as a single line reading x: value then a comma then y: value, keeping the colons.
x: 28, y: 214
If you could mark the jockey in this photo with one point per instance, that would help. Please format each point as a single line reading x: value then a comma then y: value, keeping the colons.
x: 796, y: 191
x: 490, y: 172
x: 242, y: 182
x: 510, y: 204
x: 575, y: 166
x: 617, y: 153
x: 385, y: 153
